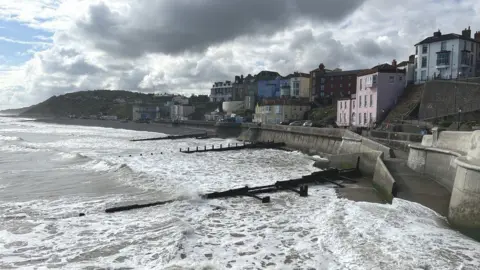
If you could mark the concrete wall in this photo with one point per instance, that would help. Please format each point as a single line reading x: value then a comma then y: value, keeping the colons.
x: 443, y: 98
x: 383, y: 180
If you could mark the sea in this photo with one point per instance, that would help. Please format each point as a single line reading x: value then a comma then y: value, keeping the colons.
x: 50, y: 173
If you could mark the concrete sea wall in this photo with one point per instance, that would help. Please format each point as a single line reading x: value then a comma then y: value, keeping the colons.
x: 453, y: 159
x: 343, y: 149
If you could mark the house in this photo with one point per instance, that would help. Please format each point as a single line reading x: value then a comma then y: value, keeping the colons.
x: 145, y: 112
x: 330, y: 85
x: 274, y: 111
x: 221, y: 91
x: 180, y: 112
x: 377, y: 92
x: 346, y: 111
x: 447, y: 56
x: 298, y: 85
x: 409, y: 67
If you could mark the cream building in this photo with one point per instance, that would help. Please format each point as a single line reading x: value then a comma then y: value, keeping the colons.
x: 300, y: 85
x: 276, y: 111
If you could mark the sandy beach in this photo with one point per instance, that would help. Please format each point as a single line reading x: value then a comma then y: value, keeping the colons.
x: 152, y: 127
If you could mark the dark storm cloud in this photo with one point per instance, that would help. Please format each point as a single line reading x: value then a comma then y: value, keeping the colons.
x: 176, y: 26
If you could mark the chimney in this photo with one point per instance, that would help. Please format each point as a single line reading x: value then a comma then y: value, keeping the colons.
x: 477, y: 36
x: 411, y: 59
x: 467, y: 33
x: 394, y: 63
x: 437, y: 34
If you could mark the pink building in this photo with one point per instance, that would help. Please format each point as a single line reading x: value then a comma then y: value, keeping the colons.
x: 345, y: 107
x: 378, y: 90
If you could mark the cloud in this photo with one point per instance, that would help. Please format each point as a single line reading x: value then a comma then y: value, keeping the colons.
x: 183, y: 46
x: 175, y: 26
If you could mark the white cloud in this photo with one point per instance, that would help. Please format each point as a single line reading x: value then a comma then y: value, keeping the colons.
x: 137, y: 45
x: 24, y: 42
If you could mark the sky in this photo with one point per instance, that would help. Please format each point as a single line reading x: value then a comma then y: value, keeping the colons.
x: 52, y: 47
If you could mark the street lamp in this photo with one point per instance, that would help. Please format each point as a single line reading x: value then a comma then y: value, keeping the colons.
x: 458, y: 118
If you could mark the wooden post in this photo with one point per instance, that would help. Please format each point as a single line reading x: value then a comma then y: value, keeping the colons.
x: 197, y: 148
x: 220, y: 146
x: 236, y: 144
x: 205, y: 148
x: 188, y: 149
x: 228, y: 145
x: 180, y: 149
x: 213, y: 146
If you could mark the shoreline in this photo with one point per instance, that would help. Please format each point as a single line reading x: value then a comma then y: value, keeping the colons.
x: 152, y: 127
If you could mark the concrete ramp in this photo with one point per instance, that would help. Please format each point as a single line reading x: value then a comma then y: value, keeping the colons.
x: 419, y: 188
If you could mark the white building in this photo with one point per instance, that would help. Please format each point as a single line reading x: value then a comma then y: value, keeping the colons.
x: 230, y: 107
x: 221, y: 91
x: 181, y: 112
x: 279, y: 110
x: 409, y: 67
x: 447, y: 56
x: 346, y: 111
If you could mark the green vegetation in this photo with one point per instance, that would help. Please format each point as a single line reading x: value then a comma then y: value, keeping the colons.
x: 323, y: 114
x: 108, y: 102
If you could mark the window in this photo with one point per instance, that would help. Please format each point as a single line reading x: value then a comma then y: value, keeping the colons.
x: 416, y: 50
x: 353, y: 103
x: 277, y: 109
x: 322, y: 87
x: 359, y: 101
x: 341, y: 85
x: 423, y: 75
x: 465, y: 58
x: 364, y: 118
x: 443, y: 46
x: 371, y: 119
x: 341, y: 77
x: 341, y: 103
x: 471, y: 46
x: 331, y: 86
x: 371, y: 100
x: 345, y: 104
x: 361, y: 81
x: 400, y: 78
x: 349, y: 77
x: 374, y: 79
x: 424, y: 48
x: 465, y: 45
x: 313, y: 74
x: 360, y: 118
x: 391, y: 79
x: 344, y: 117
x: 349, y: 85
x: 339, y: 117
x: 365, y: 101
x: 424, y: 61
x: 443, y: 58
x: 322, y: 80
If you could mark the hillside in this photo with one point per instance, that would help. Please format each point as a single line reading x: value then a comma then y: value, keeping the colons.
x: 14, y: 111
x: 109, y: 102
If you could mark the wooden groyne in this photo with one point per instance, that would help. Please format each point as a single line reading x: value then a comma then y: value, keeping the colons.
x: 298, y: 185
x: 233, y: 147
x: 203, y: 135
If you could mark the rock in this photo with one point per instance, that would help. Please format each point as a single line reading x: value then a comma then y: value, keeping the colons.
x: 183, y: 255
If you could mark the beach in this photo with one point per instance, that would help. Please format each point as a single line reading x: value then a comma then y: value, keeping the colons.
x: 117, y: 124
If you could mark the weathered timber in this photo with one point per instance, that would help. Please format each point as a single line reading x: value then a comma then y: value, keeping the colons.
x: 302, y: 183
x: 175, y: 137
x: 220, y: 148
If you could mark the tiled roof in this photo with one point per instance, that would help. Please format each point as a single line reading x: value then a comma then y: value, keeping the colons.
x: 445, y: 37
x: 387, y: 68
x: 343, y: 73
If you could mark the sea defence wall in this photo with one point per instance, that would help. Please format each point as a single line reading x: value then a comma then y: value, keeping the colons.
x: 453, y: 159
x: 342, y: 147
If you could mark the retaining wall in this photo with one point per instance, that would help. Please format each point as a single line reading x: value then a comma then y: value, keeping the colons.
x: 453, y: 159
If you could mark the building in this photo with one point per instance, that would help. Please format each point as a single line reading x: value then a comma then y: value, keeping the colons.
x: 230, y: 107
x: 299, y: 85
x: 274, y: 111
x: 447, y: 56
x: 378, y: 90
x: 181, y: 112
x: 221, y: 91
x: 330, y: 85
x: 346, y: 111
x: 145, y: 112
x: 410, y: 69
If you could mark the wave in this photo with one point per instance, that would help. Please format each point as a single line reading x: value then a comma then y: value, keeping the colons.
x: 10, y: 138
